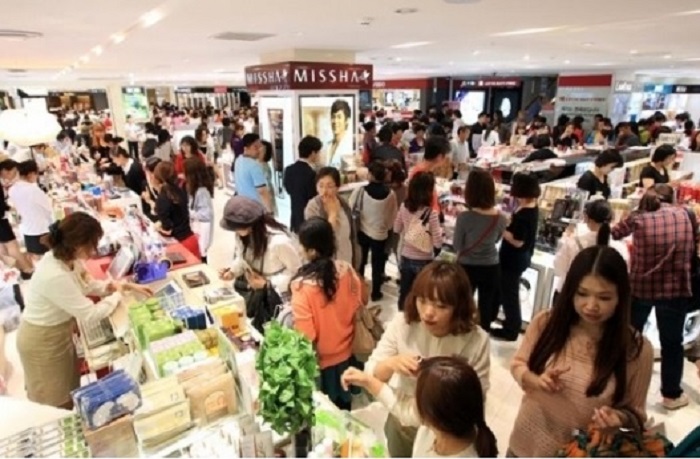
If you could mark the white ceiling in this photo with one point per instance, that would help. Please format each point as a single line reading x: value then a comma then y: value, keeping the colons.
x: 593, y: 35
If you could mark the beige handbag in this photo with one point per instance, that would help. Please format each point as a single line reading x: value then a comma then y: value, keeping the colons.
x: 368, y: 327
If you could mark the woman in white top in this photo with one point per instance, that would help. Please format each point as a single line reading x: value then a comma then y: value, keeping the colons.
x: 448, y: 408
x: 490, y: 138
x: 34, y: 208
x: 439, y: 320
x: 57, y: 295
x: 200, y: 193
x: 597, y: 215
x: 376, y: 204
x: 263, y: 250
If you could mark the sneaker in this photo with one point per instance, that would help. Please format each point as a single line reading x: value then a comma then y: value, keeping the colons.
x: 672, y: 404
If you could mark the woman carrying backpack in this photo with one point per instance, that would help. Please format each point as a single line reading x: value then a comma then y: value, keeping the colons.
x: 419, y: 227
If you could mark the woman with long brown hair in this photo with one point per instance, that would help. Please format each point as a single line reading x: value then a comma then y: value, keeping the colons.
x: 99, y: 148
x: 263, y: 250
x: 582, y: 362
x: 171, y: 208
x: 200, y: 191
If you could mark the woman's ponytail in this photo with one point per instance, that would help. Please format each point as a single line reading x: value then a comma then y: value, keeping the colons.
x: 604, y: 234
x: 485, y: 442
x: 323, y: 271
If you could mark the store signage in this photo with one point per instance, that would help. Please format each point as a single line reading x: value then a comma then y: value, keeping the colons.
x: 132, y: 90
x: 492, y: 83
x: 220, y: 89
x: 624, y: 86
x: 183, y: 90
x: 308, y: 75
x: 686, y: 89
x: 582, y: 101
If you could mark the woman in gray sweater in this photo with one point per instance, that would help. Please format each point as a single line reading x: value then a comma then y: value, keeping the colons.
x: 477, y: 232
x: 200, y: 191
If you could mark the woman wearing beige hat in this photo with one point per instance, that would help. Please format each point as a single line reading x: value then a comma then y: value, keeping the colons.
x: 263, y: 250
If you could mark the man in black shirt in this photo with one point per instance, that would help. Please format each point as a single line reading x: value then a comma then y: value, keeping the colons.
x: 476, y: 130
x: 386, y: 150
x: 300, y: 179
x: 129, y: 169
x: 627, y: 138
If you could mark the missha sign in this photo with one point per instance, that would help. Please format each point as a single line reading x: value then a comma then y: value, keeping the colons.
x: 308, y: 75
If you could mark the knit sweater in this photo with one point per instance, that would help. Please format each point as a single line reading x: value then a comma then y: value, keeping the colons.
x: 545, y: 420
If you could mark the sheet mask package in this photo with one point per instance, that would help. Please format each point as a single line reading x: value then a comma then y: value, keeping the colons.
x: 200, y: 369
x: 204, y: 378
x: 158, y: 427
x: 214, y: 399
x: 62, y: 438
x: 116, y: 439
x: 192, y: 318
x: 160, y: 394
x: 107, y: 399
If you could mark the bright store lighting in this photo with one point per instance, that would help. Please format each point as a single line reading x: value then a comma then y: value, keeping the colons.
x: 687, y: 13
x: 151, y: 18
x: 98, y: 50
x: 85, y: 59
x: 530, y: 31
x: 567, y: 62
x: 526, y: 57
x: 476, y: 52
x: 668, y: 56
x: 634, y: 51
x: 412, y: 44
x: 118, y: 38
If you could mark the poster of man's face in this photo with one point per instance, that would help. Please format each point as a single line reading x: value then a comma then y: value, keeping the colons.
x: 331, y: 119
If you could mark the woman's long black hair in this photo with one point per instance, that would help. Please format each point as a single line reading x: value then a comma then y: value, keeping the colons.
x: 259, y: 235
x: 317, y: 234
x: 619, y: 343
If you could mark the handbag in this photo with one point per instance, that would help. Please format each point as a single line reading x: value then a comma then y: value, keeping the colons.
x: 626, y: 442
x: 368, y: 327
x: 417, y: 233
x: 357, y: 210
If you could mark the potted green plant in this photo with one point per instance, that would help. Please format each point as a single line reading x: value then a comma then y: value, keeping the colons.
x: 288, y: 370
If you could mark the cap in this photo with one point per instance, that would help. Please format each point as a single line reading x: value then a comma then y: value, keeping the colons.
x: 241, y: 212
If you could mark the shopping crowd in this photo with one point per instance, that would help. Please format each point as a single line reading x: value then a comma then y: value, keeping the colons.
x: 581, y: 362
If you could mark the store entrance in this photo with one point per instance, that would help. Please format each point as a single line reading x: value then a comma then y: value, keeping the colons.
x: 507, y: 101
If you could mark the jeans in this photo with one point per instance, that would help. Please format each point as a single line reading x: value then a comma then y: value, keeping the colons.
x: 409, y: 270
x: 670, y: 320
x: 486, y: 280
x: 133, y: 149
x: 510, y: 299
x: 378, y: 260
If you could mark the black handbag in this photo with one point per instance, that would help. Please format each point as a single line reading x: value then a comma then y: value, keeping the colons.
x: 262, y: 306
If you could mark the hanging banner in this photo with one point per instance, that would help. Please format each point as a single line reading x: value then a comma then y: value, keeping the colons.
x: 583, y: 95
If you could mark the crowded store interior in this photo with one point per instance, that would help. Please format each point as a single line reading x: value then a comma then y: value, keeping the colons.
x: 371, y: 229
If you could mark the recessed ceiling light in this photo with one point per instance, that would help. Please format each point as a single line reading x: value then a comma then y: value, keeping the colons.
x: 476, y: 52
x: 668, y: 56
x: 151, y: 18
x: 692, y: 59
x: 451, y: 63
x: 118, y: 38
x: 412, y: 44
x: 398, y: 59
x: 567, y: 62
x: 530, y: 31
x: 526, y: 57
x: 97, y: 50
x: 588, y: 44
x: 85, y: 59
x: 406, y: 10
x: 687, y: 13
x: 634, y: 51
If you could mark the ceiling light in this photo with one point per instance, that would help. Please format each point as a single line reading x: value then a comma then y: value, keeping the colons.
x: 451, y: 63
x: 634, y: 51
x: 530, y: 31
x: 412, y: 44
x: 567, y: 62
x: 692, y: 59
x: 398, y: 59
x: 687, y: 13
x: 151, y: 18
x: 406, y: 10
x: 476, y: 52
x: 118, y: 38
x: 97, y: 50
x: 526, y: 57
x: 85, y: 59
x: 588, y: 44
x: 668, y: 56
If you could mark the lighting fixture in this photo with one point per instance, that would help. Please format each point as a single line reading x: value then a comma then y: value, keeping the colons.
x: 97, y: 50
x: 692, y: 59
x: 451, y: 63
x: 567, y: 62
x: 530, y: 31
x: 526, y: 57
x: 151, y: 18
x: 476, y: 52
x: 398, y: 59
x: 588, y: 44
x: 634, y: 51
x: 668, y: 56
x: 412, y: 44
x: 687, y: 13
x: 85, y: 59
x: 118, y: 38
x: 406, y: 10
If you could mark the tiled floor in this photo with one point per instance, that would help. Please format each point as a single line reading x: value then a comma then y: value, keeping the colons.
x: 504, y: 396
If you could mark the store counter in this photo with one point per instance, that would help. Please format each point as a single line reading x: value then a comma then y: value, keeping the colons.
x: 97, y: 267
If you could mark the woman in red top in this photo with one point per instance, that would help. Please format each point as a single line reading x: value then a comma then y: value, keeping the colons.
x: 188, y: 149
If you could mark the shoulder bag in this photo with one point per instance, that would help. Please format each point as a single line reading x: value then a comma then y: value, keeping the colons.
x: 418, y: 232
x: 467, y: 250
x: 368, y: 327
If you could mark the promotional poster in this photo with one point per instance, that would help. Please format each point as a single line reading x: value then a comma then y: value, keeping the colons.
x: 135, y: 102
x: 276, y: 120
x: 331, y: 119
